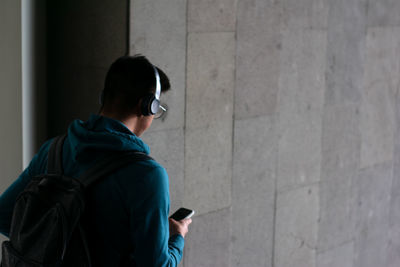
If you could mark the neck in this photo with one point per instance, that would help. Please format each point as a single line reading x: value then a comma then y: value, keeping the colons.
x: 131, y: 122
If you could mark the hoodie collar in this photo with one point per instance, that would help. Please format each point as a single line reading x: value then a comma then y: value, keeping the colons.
x: 103, y: 134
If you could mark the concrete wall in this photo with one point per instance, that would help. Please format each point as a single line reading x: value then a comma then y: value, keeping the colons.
x: 34, y: 91
x: 10, y: 93
x: 283, y: 127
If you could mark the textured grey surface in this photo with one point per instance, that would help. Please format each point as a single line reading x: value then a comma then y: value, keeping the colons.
x: 158, y: 30
x: 378, y: 99
x: 11, y: 157
x: 208, y: 243
x: 253, y: 186
x: 296, y: 227
x: 211, y: 15
x: 208, y: 169
x: 373, y: 188
x: 341, y: 256
x: 210, y: 80
x: 306, y: 14
x: 300, y: 104
x: 209, y: 108
x: 393, y: 258
x: 345, y: 51
x: 257, y: 58
x: 341, y: 137
x: 336, y: 224
x: 383, y: 13
x: 291, y: 147
x: 341, y: 142
x: 395, y: 196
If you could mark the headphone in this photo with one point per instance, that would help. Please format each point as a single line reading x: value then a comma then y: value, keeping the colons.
x: 150, y: 102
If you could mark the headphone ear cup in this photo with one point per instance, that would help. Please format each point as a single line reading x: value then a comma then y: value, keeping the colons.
x: 155, y: 106
x: 146, y: 104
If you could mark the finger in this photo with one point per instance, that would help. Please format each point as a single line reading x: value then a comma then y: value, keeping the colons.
x: 173, y: 222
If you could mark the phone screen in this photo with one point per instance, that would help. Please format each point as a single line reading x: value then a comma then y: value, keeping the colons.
x: 181, y: 214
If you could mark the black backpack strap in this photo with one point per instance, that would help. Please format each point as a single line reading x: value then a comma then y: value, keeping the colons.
x: 109, y: 164
x: 54, y: 160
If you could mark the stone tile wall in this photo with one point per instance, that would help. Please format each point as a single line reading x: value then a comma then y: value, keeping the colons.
x: 283, y: 127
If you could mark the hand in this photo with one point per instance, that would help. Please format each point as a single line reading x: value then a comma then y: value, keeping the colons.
x: 179, y: 227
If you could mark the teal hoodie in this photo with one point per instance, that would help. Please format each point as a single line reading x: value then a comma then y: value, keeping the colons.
x: 127, y: 212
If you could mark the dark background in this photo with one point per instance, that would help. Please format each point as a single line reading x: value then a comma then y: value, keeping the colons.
x: 82, y: 38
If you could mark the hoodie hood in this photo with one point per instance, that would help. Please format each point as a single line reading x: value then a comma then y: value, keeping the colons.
x: 101, y: 134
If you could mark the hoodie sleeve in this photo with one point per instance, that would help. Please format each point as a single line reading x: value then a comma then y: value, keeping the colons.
x: 153, y: 246
x: 9, y: 197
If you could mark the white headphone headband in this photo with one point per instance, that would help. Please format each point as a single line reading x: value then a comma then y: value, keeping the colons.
x: 158, y: 83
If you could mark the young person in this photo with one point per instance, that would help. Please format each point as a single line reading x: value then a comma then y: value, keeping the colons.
x: 126, y: 215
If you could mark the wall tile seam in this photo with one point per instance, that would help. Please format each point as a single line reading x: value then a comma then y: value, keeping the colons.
x: 284, y: 28
x: 211, y: 32
x: 367, y: 12
x: 389, y: 218
x: 166, y: 130
x: 214, y: 125
x: 346, y: 102
x: 184, y: 113
x: 396, y: 132
x: 185, y: 104
x: 254, y: 117
x: 352, y: 182
x: 377, y: 164
x: 321, y: 142
x: 335, y: 246
x: 293, y: 188
x: 390, y: 27
x: 355, y: 199
x: 213, y: 211
x: 361, y: 87
x: 396, y: 97
x: 233, y: 138
x: 275, y: 203
x: 277, y: 116
x: 199, y: 32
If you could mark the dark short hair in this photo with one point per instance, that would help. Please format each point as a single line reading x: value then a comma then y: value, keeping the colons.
x: 128, y: 80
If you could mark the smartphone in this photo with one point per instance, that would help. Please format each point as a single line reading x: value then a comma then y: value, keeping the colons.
x: 181, y: 214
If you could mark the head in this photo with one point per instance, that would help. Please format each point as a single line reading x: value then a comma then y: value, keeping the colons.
x: 129, y: 82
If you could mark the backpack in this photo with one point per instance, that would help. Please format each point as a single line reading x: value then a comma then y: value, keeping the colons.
x: 46, y: 227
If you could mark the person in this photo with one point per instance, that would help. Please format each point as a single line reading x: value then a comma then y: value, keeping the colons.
x: 126, y: 215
